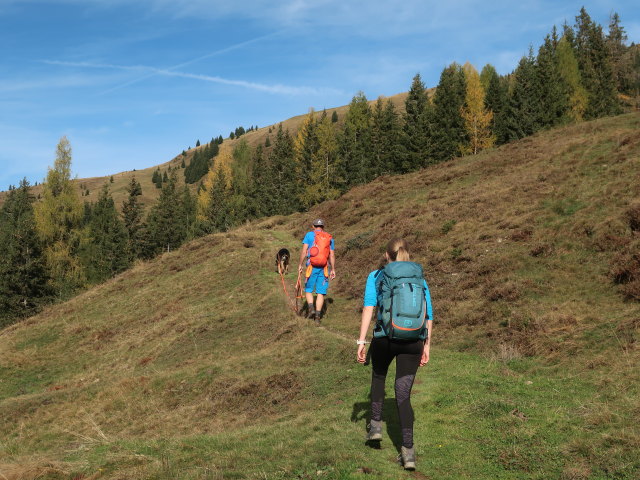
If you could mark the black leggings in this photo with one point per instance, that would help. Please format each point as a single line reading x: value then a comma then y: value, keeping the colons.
x: 408, y: 355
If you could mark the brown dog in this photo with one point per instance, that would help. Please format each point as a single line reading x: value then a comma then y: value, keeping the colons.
x: 282, y: 261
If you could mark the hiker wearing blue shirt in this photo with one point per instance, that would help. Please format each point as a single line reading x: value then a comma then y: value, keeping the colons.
x: 317, y: 259
x: 408, y: 345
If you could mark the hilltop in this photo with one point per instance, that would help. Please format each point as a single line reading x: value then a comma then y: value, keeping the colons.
x: 193, y: 366
x: 149, y: 191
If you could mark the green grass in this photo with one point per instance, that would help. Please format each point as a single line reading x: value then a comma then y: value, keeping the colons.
x: 193, y: 366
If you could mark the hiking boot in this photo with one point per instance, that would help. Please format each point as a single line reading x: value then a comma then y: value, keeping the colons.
x: 408, y: 458
x: 316, y: 317
x: 375, y: 431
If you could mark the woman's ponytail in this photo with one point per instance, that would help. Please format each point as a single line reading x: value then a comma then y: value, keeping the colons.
x: 402, y: 255
x: 397, y: 250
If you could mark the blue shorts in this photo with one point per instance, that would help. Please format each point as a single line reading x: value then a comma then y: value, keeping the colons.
x: 318, y: 281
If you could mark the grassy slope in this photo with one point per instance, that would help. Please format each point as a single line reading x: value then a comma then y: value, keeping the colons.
x: 191, y: 366
x: 149, y: 191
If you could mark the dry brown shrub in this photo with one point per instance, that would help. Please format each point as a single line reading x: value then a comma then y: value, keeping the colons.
x: 509, y: 291
x: 521, y: 235
x: 541, y: 250
x: 625, y: 269
x: 633, y: 217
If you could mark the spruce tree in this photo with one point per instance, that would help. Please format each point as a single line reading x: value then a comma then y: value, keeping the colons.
x: 132, y: 217
x: 324, y: 181
x: 496, y: 101
x: 334, y: 117
x: 447, y: 125
x: 386, y: 139
x: 58, y: 219
x: 595, y: 67
x: 189, y: 208
x: 620, y: 55
x: 355, y: 143
x: 282, y: 170
x: 213, y: 210
x: 23, y: 276
x: 554, y: 104
x: 305, y: 147
x: 166, y: 226
x: 107, y: 252
x: 523, y: 109
x: 262, y: 185
x: 576, y: 96
x: 156, y: 178
x: 416, y: 132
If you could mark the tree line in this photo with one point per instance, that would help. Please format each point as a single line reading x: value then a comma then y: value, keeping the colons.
x: 56, y: 245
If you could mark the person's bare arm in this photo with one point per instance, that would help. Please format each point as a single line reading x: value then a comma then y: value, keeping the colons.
x: 367, y: 313
x: 332, y: 264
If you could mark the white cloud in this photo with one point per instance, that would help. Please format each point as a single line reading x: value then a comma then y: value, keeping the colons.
x: 274, y: 89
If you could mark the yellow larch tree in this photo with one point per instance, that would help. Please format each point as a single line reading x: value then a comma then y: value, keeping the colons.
x: 477, y: 118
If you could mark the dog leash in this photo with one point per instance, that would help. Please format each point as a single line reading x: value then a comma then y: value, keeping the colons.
x: 292, y: 304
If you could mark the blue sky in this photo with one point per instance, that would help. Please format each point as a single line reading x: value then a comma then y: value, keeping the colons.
x: 132, y: 83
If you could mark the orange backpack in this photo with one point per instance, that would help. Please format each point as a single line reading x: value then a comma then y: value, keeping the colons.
x: 319, y: 252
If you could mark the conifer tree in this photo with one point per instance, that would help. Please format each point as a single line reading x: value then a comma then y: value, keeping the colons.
x: 58, y: 217
x: 166, y: 220
x: 189, y: 207
x: 447, y: 125
x: 132, y: 217
x: 305, y: 148
x: 213, y: 209
x: 416, y: 130
x: 156, y: 178
x: 23, y: 277
x: 323, y: 179
x: 487, y: 74
x: 477, y: 119
x: 576, y: 96
x: 241, y: 182
x: 262, y: 185
x: 496, y: 101
x: 282, y: 171
x: 107, y: 252
x: 619, y: 55
x: 334, y: 117
x: 553, y: 100
x: 386, y: 139
x: 523, y: 108
x: 595, y: 66
x: 355, y: 141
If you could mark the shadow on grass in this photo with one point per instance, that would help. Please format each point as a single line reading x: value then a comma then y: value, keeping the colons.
x: 362, y: 410
x: 304, y: 310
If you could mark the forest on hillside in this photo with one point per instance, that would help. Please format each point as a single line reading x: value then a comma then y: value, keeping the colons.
x: 57, y: 245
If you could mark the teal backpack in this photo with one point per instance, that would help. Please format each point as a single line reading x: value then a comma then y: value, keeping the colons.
x: 402, y: 308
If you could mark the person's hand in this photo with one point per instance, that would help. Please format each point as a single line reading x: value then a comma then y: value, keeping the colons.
x: 299, y: 268
x: 332, y: 275
x: 362, y: 354
x: 425, y: 356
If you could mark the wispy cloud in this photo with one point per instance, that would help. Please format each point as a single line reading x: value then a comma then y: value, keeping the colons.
x: 192, y: 61
x: 274, y: 89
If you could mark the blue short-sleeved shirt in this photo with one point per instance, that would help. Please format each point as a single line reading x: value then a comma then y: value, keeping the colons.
x: 371, y: 296
x: 308, y: 240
